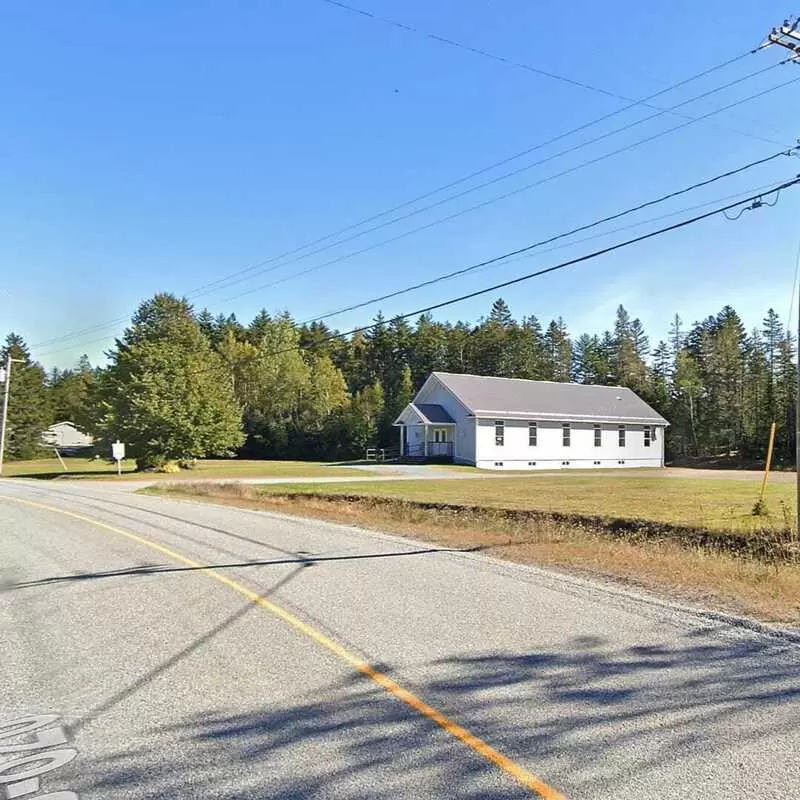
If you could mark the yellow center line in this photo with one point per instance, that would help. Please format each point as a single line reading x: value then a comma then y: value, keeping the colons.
x: 526, y: 778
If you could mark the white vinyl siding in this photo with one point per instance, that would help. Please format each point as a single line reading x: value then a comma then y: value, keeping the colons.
x: 550, y: 453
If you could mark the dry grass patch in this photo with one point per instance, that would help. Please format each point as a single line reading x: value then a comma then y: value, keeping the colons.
x: 213, y: 468
x: 739, y: 584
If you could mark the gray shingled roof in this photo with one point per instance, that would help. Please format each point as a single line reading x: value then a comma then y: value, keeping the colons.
x: 433, y: 413
x: 484, y: 395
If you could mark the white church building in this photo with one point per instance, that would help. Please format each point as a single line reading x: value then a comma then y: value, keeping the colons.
x: 507, y: 423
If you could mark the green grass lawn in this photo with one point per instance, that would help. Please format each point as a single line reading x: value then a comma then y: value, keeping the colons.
x: 77, y: 468
x: 700, y: 502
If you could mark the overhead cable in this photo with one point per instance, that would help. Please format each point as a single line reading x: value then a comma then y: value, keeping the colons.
x: 476, y: 173
x: 564, y: 235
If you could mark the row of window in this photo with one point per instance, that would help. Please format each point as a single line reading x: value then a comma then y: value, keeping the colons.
x: 566, y: 434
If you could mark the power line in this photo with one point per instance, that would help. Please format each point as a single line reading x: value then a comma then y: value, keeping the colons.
x: 511, y: 259
x: 547, y: 270
x: 504, y: 196
x: 650, y: 220
x: 456, y: 214
x: 232, y: 280
x: 405, y: 27
x: 564, y: 235
x: 490, y: 167
x: 431, y: 193
x: 563, y: 265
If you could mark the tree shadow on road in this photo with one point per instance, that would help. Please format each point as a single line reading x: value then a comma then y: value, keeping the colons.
x: 594, y: 720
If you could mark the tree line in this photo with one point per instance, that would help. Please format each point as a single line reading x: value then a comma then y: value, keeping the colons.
x: 181, y: 385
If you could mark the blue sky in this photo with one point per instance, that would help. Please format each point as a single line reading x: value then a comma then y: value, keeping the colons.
x: 161, y: 147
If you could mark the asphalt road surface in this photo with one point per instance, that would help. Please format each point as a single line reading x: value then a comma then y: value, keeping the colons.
x: 320, y: 661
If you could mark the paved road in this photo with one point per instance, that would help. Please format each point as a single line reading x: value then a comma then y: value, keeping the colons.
x: 171, y: 681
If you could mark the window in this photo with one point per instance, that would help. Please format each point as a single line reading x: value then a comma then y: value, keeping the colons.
x: 499, y: 433
x: 598, y: 436
x: 565, y: 434
x: 622, y: 436
x: 647, y: 435
x: 532, y: 433
x: 439, y: 435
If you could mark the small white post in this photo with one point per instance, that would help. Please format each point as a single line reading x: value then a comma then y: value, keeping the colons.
x: 425, y: 440
x: 118, y: 452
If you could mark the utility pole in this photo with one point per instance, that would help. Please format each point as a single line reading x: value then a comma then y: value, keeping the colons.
x: 788, y: 36
x: 5, y: 376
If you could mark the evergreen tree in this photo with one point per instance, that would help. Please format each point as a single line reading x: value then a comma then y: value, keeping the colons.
x: 772, y: 332
x: 429, y: 350
x: 458, y: 348
x: 29, y: 408
x: 166, y: 393
x: 69, y: 391
x: 378, y: 351
x: 677, y: 338
x: 661, y: 379
x: 402, y: 342
x: 526, y: 349
x: 587, y: 360
x: 501, y: 313
x: 641, y: 342
x: 629, y: 365
x: 208, y: 325
x: 558, y: 352
x: 785, y: 394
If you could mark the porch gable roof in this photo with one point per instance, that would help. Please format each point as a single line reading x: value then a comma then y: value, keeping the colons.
x: 425, y: 413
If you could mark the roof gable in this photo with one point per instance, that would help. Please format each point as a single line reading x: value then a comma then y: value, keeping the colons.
x: 485, y: 395
x: 426, y: 413
x: 434, y: 413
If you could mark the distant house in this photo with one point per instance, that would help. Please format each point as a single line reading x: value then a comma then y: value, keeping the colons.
x: 65, y: 436
x: 505, y: 423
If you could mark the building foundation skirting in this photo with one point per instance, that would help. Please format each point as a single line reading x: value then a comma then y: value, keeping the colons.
x: 567, y: 463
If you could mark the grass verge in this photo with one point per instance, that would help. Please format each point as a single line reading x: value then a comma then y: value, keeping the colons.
x: 701, y: 503
x: 703, y: 572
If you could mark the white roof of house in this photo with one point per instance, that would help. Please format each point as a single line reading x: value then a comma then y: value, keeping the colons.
x: 485, y: 396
